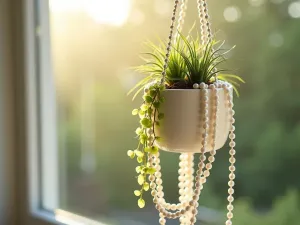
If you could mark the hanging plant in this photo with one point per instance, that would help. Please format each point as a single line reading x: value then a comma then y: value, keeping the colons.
x: 186, y: 108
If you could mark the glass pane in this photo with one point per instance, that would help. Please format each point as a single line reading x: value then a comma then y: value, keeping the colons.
x: 94, y: 44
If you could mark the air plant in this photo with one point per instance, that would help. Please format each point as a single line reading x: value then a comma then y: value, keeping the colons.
x: 154, y: 64
x: 189, y: 62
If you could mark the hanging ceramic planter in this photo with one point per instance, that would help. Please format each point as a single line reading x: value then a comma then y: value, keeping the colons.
x: 187, y: 108
x: 182, y: 124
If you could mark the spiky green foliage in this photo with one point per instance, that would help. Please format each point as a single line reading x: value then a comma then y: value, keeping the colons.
x: 154, y: 65
x: 233, y: 79
x: 189, y: 63
x: 200, y: 60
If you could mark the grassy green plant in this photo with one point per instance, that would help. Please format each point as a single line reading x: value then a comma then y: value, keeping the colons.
x: 154, y: 63
x: 200, y: 60
x: 189, y: 63
x: 233, y: 79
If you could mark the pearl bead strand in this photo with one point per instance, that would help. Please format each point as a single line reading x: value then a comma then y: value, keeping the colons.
x: 181, y: 184
x: 199, y: 181
x: 232, y: 156
x: 169, y: 41
x: 213, y: 117
x: 158, y: 196
x: 182, y: 14
x: 206, y: 34
x: 186, y: 183
x: 187, y: 208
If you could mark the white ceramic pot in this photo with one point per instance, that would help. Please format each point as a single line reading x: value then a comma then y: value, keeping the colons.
x: 181, y: 128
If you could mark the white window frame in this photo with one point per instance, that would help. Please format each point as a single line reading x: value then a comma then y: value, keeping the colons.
x: 28, y: 120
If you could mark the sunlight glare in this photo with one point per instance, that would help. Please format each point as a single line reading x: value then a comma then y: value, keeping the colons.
x: 113, y: 12
x: 294, y: 9
x: 163, y: 7
x: 232, y: 14
x: 256, y: 3
x: 277, y: 1
x: 66, y: 5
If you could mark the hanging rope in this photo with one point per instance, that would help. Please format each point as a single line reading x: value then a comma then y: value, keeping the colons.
x: 182, y: 15
x: 186, y: 210
x: 206, y: 35
x: 170, y: 42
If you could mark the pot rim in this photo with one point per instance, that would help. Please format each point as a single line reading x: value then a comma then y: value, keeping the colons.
x: 193, y: 89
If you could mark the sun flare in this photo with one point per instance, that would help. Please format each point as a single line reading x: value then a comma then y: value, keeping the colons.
x: 111, y: 12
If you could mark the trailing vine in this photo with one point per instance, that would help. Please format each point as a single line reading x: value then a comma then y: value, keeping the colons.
x: 150, y: 116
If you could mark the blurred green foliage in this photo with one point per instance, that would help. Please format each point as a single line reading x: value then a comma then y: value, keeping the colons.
x: 267, y: 115
x: 285, y: 211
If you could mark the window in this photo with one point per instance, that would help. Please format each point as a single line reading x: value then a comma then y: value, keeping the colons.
x: 80, y: 123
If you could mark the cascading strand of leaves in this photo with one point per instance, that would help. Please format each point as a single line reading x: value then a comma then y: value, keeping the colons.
x: 150, y: 116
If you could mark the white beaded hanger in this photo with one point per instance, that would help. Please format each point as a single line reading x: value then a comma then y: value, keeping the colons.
x: 186, y: 209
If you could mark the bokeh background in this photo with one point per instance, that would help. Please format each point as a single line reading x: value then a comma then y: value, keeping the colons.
x: 94, y: 44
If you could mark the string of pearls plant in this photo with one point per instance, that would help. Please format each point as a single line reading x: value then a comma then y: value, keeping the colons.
x: 149, y: 118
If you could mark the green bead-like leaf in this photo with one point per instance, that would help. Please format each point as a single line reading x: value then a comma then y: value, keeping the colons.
x: 161, y: 116
x: 156, y: 105
x: 144, y: 107
x: 139, y: 159
x: 131, y: 154
x: 145, y: 122
x: 135, y: 112
x: 143, y: 138
x: 141, y: 203
x: 146, y: 186
x: 150, y: 111
x: 141, y: 179
x: 138, y: 153
x: 137, y: 193
x: 152, y: 93
x: 161, y: 99
x: 148, y: 99
x: 154, y: 150
x: 145, y: 169
x: 147, y: 149
x: 151, y: 170
x: 142, y: 114
x: 138, y: 169
x: 139, y: 131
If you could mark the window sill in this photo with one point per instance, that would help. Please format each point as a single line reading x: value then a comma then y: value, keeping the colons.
x: 61, y: 217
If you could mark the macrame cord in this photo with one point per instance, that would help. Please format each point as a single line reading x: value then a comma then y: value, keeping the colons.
x: 190, y: 187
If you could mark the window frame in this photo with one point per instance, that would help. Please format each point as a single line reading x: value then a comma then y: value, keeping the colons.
x: 27, y: 99
x: 35, y: 129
